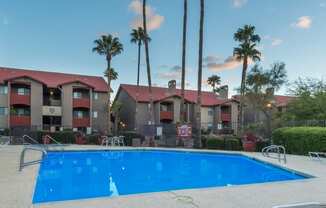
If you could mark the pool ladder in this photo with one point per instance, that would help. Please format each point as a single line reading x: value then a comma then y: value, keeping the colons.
x: 279, y: 149
x: 22, y: 162
x: 34, y: 146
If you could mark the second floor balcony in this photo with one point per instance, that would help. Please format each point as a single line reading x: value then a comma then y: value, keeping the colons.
x: 20, y: 99
x: 81, y: 103
x: 166, y: 115
x: 225, y: 116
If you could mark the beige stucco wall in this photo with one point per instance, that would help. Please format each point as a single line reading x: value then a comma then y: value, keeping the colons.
x: 4, y: 103
x: 100, y: 106
x: 205, y: 118
x: 234, y: 116
x: 66, y: 97
x: 128, y: 110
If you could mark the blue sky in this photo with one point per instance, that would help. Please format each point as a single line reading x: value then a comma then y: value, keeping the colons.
x: 58, y: 36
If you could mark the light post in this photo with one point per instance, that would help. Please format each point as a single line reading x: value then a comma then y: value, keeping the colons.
x: 269, y: 107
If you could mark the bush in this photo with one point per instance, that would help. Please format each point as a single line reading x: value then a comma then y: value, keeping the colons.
x: 261, y: 144
x: 213, y: 143
x: 63, y: 137
x: 301, y: 140
x: 223, y: 143
x: 233, y: 143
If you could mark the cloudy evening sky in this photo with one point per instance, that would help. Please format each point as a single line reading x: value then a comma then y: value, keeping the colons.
x: 58, y: 36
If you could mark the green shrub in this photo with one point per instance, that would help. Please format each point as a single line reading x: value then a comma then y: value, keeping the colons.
x: 213, y: 143
x: 63, y: 137
x: 92, y: 139
x: 301, y: 140
x: 223, y: 143
x: 233, y: 143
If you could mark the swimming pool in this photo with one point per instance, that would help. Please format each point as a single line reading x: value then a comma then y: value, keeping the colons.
x: 87, y: 174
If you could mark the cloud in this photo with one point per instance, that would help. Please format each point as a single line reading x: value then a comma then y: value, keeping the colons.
x: 154, y: 20
x: 239, y: 3
x: 303, y: 22
x: 229, y: 63
x: 170, y: 73
x: 274, y: 41
x: 211, y: 59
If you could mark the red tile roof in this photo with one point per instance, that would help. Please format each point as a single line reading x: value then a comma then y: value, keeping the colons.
x: 161, y: 93
x: 53, y: 79
x: 280, y: 100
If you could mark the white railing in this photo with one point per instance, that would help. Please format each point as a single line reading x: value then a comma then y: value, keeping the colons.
x: 278, y: 149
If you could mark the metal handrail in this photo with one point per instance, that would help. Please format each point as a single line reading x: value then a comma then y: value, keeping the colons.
x: 30, y: 138
x: 280, y: 150
x: 22, y: 156
x: 51, y: 138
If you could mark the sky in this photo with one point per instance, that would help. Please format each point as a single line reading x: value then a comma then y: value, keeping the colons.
x: 58, y: 36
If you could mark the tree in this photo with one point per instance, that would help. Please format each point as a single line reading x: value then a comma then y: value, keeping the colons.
x: 148, y: 66
x: 246, y: 50
x: 111, y: 74
x: 310, y: 101
x: 197, y: 142
x: 109, y: 47
x: 138, y: 37
x: 214, y: 81
x: 183, y: 67
x: 116, y: 107
x: 260, y: 87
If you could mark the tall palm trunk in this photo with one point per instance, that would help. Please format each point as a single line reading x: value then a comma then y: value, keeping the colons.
x: 109, y: 94
x: 200, y: 71
x: 151, y: 110
x: 138, y: 69
x: 137, y: 93
x: 242, y: 94
x: 183, y: 73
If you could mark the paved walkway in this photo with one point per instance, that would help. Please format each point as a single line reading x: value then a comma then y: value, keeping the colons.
x: 16, y: 188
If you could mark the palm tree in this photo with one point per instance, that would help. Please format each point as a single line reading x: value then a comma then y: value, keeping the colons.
x: 151, y: 110
x: 183, y: 67
x: 109, y: 47
x: 138, y: 37
x: 214, y: 81
x: 246, y: 50
x: 197, y: 142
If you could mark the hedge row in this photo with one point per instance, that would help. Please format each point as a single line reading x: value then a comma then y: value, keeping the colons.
x: 301, y: 140
x: 68, y: 137
x: 222, y: 143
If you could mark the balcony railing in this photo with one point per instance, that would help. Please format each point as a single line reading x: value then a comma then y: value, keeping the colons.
x: 81, y: 103
x: 226, y: 116
x: 20, y: 120
x: 16, y: 99
x: 166, y: 115
x: 81, y: 122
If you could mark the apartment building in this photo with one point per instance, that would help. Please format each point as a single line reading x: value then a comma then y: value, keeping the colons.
x: 52, y: 101
x: 217, y: 112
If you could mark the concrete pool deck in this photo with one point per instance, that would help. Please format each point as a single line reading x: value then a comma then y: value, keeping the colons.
x: 16, y: 188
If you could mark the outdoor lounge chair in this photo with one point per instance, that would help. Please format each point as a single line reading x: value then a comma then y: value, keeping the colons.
x: 317, y: 155
x: 302, y: 205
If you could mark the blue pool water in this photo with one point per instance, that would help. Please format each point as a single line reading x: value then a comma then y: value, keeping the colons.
x: 76, y: 175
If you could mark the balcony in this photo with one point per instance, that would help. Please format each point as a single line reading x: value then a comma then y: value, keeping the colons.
x: 20, y: 120
x: 81, y: 122
x: 166, y: 115
x: 81, y: 103
x: 16, y: 99
x: 225, y: 116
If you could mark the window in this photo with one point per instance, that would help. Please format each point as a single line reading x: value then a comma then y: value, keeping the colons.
x: 210, y: 112
x: 94, y: 114
x: 3, y: 90
x: 77, y: 95
x: 95, y: 95
x: 78, y: 114
x: 23, y: 91
x: 3, y: 111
